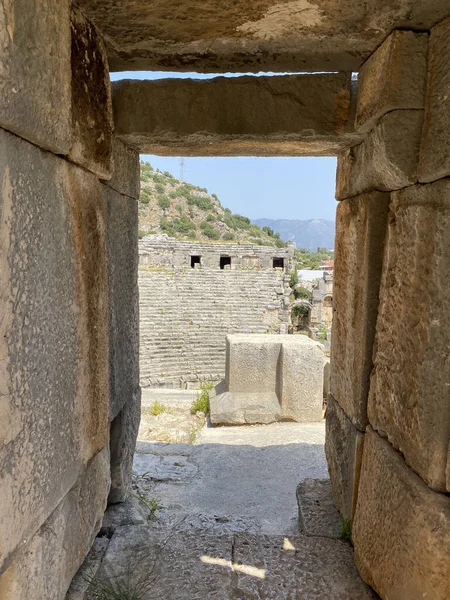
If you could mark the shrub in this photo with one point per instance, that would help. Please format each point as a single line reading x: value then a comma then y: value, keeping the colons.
x: 228, y: 236
x: 157, y: 408
x: 142, y: 233
x: 159, y: 187
x: 201, y: 403
x: 268, y: 230
x: 209, y: 231
x: 241, y: 222
x: 158, y: 178
x: 302, y: 293
x: 294, y: 279
x: 164, y: 202
x: 202, y: 203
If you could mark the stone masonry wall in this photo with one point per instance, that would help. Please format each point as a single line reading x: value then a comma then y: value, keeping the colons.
x: 58, y: 262
x: 388, y: 418
x: 186, y: 313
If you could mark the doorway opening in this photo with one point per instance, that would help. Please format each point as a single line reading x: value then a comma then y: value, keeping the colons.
x: 225, y: 261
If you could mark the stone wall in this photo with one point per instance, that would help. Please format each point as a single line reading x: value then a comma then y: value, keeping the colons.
x: 388, y: 419
x: 59, y: 259
x: 186, y: 313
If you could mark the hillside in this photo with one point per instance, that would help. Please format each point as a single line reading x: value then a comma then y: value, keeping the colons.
x: 185, y: 211
x: 310, y: 234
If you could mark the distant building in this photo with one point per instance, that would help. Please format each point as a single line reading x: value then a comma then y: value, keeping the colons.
x: 327, y: 265
x: 321, y: 311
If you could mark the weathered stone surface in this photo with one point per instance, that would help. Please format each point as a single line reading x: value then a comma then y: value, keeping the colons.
x: 316, y: 511
x: 266, y: 35
x: 124, y: 430
x: 174, y: 425
x: 393, y: 78
x: 387, y: 160
x: 53, y: 333
x: 409, y: 388
x: 401, y: 530
x: 126, y: 175
x: 122, y: 251
x: 91, y: 99
x: 343, y: 449
x: 79, y: 588
x: 35, y: 71
x: 435, y: 149
x: 301, y: 379
x: 361, y: 225
x: 45, y: 565
x: 296, y: 114
x: 269, y: 378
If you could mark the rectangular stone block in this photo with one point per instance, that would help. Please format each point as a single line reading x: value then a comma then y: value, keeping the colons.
x: 288, y: 115
x: 53, y: 333
x: 91, y: 99
x: 343, y: 449
x: 393, y: 78
x: 126, y: 170
x: 401, y: 530
x: 409, y: 391
x: 253, y: 363
x: 361, y: 225
x: 387, y: 160
x: 301, y: 379
x: 44, y: 567
x: 269, y: 378
x: 122, y: 256
x: 435, y: 149
x: 35, y: 71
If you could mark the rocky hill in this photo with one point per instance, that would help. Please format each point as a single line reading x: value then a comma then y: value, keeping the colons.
x: 310, y: 234
x: 185, y: 211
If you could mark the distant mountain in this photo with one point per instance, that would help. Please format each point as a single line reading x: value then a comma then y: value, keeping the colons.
x: 310, y: 234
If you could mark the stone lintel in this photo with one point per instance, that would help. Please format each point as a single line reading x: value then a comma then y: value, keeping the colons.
x: 289, y: 115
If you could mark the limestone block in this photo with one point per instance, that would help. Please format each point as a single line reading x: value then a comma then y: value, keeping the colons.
x: 393, y: 78
x: 301, y: 379
x: 293, y: 115
x: 91, y: 99
x: 361, y: 225
x: 126, y: 171
x: 124, y: 430
x: 435, y: 149
x: 269, y: 378
x: 409, y: 395
x: 387, y: 160
x: 401, y: 530
x: 252, y: 363
x: 35, y: 71
x: 45, y: 565
x: 343, y: 449
x: 53, y: 333
x: 122, y: 250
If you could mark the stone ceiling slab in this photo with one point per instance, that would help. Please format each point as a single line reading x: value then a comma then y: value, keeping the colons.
x: 292, y: 115
x: 252, y: 35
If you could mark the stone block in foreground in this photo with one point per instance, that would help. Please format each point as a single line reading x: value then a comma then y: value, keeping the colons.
x: 393, y: 78
x: 435, y: 150
x: 286, y: 115
x: 401, y: 530
x: 269, y: 378
x: 409, y: 389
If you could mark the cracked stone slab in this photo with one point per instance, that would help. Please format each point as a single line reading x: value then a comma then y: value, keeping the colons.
x: 130, y: 512
x: 164, y: 468
x: 318, y: 515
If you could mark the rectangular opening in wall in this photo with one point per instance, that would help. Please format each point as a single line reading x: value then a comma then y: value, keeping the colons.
x: 225, y: 261
x: 196, y: 260
x: 278, y: 262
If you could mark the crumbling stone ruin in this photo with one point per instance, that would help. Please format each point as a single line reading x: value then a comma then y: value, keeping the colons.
x: 69, y: 144
x: 192, y: 294
x: 321, y: 311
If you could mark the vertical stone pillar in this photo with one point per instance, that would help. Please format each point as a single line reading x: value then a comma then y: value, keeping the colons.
x: 55, y: 144
x: 401, y: 513
x: 390, y: 107
x: 121, y: 193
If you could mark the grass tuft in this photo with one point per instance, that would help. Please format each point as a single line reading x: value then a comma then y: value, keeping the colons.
x: 157, y: 408
x: 346, y: 531
x: 201, y: 403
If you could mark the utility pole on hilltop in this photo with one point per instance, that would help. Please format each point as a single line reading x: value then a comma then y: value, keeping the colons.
x: 182, y: 169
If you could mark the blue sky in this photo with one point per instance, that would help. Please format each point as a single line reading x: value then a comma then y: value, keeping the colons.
x: 272, y: 188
